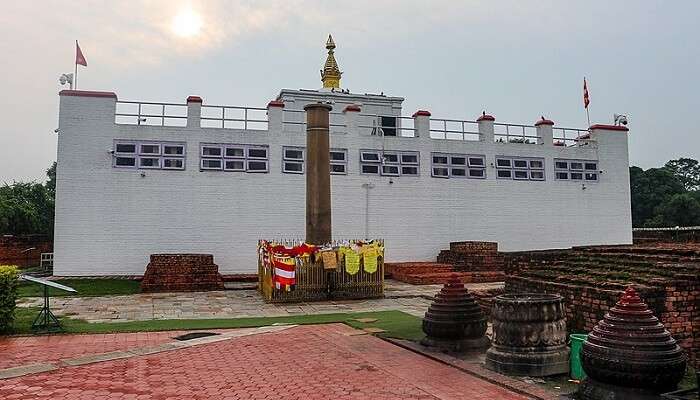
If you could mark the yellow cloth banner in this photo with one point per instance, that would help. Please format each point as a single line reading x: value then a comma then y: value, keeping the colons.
x: 370, y: 260
x: 352, y: 261
x: 330, y: 261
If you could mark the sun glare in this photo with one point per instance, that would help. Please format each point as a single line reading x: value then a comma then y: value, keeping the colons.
x: 187, y: 23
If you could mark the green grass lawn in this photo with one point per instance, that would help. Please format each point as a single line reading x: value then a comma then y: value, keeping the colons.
x: 85, y: 287
x: 396, y: 323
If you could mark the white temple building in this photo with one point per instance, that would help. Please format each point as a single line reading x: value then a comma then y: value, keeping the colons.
x: 138, y: 178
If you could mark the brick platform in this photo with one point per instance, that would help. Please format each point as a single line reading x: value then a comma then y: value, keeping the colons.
x: 473, y: 262
x: 181, y: 273
x: 592, y: 279
x: 473, y: 256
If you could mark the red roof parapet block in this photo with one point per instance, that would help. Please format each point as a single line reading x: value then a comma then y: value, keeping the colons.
x: 485, y: 117
x: 544, y: 121
x: 87, y: 93
x: 421, y: 113
x: 275, y: 103
x: 194, y: 99
x: 353, y: 108
x: 610, y: 127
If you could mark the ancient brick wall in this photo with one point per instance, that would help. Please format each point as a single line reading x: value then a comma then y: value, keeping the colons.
x: 666, y: 235
x: 12, y: 249
x: 181, y: 272
x: 674, y: 297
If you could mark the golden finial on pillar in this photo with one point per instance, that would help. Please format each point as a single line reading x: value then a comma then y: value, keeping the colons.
x: 330, y: 74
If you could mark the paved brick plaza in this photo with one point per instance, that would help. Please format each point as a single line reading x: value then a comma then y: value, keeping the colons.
x: 305, y: 362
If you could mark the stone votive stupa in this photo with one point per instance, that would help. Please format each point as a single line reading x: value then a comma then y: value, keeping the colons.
x: 630, y: 354
x: 455, y: 321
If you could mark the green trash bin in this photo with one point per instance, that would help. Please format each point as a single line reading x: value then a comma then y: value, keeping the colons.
x: 577, y: 340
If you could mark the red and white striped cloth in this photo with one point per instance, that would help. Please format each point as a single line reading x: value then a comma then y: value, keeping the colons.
x: 284, y: 276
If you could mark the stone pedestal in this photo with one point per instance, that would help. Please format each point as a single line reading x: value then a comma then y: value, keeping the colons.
x: 630, y: 351
x: 455, y: 322
x: 529, y: 335
x: 181, y: 273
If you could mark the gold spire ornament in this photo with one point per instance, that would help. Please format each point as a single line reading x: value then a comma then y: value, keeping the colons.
x: 330, y: 74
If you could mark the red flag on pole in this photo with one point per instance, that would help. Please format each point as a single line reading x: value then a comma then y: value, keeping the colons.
x: 586, y: 99
x: 79, y: 57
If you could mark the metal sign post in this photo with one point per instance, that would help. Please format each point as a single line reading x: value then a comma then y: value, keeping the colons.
x: 46, y: 321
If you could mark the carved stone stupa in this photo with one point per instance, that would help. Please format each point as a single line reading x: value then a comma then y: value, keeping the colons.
x: 630, y: 354
x: 455, y: 321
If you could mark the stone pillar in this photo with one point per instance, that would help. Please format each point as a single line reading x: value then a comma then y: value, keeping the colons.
x: 545, y: 134
x: 421, y: 123
x: 351, y: 112
x: 194, y: 111
x: 275, y: 116
x: 486, y: 130
x: 318, y: 175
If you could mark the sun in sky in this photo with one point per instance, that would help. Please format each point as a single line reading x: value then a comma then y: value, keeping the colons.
x: 187, y: 23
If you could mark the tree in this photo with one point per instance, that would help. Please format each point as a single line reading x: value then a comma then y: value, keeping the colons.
x: 649, y: 189
x: 51, y: 181
x: 680, y: 210
x: 687, y: 171
x: 28, y: 207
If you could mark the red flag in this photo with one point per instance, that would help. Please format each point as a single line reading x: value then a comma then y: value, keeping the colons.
x: 79, y: 57
x: 586, y: 99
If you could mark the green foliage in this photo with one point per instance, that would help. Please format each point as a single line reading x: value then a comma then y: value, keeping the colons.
x: 8, y: 295
x: 687, y: 171
x: 649, y: 189
x: 28, y: 207
x: 680, y: 210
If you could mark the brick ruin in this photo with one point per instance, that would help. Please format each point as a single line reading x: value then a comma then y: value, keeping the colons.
x: 591, y: 279
x: 181, y: 273
x: 12, y: 249
x: 472, y: 262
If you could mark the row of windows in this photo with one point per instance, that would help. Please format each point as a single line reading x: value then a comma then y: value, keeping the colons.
x: 520, y: 168
x: 230, y: 157
x: 255, y: 159
x: 294, y: 158
x: 389, y: 163
x: 458, y: 166
x: 149, y: 155
x: 575, y: 170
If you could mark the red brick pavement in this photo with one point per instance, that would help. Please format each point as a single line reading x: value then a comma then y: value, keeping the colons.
x: 24, y: 350
x: 305, y: 362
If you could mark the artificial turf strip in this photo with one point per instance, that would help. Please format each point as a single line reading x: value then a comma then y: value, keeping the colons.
x: 397, y: 324
x: 85, y: 287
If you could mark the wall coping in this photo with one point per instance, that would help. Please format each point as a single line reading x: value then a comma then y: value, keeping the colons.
x: 87, y: 93
x: 353, y: 108
x: 275, y: 103
x: 194, y: 99
x: 620, y: 128
x: 485, y: 117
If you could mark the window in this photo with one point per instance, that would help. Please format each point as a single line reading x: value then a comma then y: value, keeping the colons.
x: 339, y: 162
x: 293, y: 160
x: 520, y: 168
x: 149, y: 148
x: 148, y: 155
x: 576, y: 170
x: 458, y: 166
x: 233, y: 157
x: 389, y: 163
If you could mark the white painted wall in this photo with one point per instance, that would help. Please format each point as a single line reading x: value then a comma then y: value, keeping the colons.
x: 108, y: 220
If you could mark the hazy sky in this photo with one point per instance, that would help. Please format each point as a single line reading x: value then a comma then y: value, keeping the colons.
x: 516, y: 59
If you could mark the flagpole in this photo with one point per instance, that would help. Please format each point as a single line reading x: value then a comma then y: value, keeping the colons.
x: 75, y: 60
x: 588, y: 115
